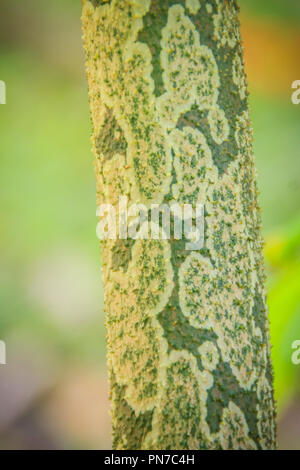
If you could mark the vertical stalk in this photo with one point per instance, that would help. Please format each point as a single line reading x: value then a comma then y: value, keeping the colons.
x: 188, y: 335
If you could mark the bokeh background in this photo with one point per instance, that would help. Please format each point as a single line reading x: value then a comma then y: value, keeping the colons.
x: 54, y: 391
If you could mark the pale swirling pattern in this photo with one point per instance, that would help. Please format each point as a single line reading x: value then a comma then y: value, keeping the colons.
x: 152, y: 157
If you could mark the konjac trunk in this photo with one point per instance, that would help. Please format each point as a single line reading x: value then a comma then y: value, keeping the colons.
x: 188, y: 338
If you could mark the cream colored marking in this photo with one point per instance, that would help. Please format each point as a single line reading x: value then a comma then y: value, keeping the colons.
x: 196, y: 278
x: 200, y: 297
x: 193, y: 6
x: 226, y: 25
x: 190, y: 72
x: 265, y: 421
x: 234, y: 431
x: 218, y: 123
x: 193, y: 165
x: 140, y: 7
x: 209, y: 355
x: 201, y: 381
x: 116, y: 49
x: 238, y: 76
x: 233, y: 427
x: 115, y: 180
x: 209, y: 8
x: 142, y: 293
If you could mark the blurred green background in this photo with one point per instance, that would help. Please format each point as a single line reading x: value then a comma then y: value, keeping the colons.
x: 54, y: 392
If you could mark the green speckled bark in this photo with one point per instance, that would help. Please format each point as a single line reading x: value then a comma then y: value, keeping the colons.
x: 187, y: 331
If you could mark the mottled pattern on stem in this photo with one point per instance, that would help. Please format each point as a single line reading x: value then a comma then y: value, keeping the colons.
x: 188, y: 338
